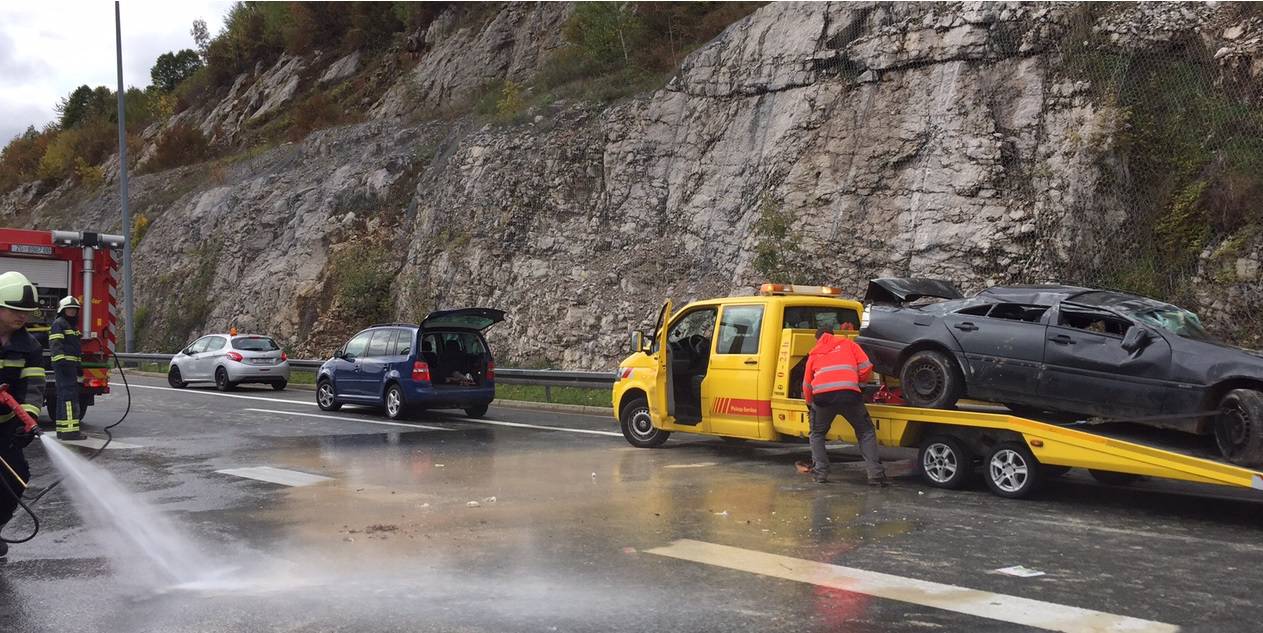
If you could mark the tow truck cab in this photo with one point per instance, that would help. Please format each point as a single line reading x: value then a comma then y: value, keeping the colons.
x: 730, y: 367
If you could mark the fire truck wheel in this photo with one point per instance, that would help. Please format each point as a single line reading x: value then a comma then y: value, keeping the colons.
x: 174, y: 379
x: 637, y: 425
x: 221, y: 380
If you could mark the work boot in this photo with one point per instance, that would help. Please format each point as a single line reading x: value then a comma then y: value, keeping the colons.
x: 71, y: 435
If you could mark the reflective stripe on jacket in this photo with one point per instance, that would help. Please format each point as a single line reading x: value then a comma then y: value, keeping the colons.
x: 836, y: 363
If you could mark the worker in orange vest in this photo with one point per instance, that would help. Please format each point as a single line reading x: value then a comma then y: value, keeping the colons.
x: 836, y: 367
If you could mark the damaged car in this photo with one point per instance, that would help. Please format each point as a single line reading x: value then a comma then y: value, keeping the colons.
x: 1068, y: 349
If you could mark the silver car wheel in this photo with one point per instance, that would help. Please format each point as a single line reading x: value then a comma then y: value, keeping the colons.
x: 325, y: 395
x: 1009, y: 470
x: 940, y: 462
x: 392, y: 402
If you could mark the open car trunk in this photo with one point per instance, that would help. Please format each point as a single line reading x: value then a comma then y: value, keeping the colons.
x: 457, y: 358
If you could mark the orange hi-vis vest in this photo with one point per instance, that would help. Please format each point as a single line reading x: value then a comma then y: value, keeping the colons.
x: 836, y: 363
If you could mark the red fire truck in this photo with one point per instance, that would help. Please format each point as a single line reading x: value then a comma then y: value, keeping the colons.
x: 62, y: 263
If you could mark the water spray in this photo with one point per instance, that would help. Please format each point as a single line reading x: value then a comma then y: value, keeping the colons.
x: 31, y: 427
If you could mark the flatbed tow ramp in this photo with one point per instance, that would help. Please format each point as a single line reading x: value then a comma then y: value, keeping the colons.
x: 1018, y: 454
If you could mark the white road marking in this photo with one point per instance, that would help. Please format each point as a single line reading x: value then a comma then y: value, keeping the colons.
x: 216, y: 393
x: 346, y: 419
x: 697, y: 465
x: 983, y: 604
x: 97, y: 442
x: 521, y: 425
x: 276, y: 475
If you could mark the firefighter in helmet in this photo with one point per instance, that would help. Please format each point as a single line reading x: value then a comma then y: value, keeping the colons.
x: 65, y: 348
x: 21, y: 368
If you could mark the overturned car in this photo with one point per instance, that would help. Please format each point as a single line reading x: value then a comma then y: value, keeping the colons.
x: 1067, y: 349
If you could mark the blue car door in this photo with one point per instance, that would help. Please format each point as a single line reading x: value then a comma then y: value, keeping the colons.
x: 346, y: 371
x: 375, y: 362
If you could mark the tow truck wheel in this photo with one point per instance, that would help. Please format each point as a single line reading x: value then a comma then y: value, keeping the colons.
x: 931, y: 379
x: 1239, y: 427
x: 945, y: 462
x: 1011, y: 470
x: 175, y: 379
x: 637, y: 425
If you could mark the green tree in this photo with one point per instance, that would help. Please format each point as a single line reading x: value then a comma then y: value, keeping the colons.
x: 173, y: 68
x: 606, y: 31
x: 201, y: 38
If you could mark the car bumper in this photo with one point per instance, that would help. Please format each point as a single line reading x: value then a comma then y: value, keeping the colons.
x: 241, y: 372
x: 426, y: 396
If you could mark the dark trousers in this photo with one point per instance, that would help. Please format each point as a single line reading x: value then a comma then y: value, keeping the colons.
x: 850, y: 405
x: 67, y: 414
x: 12, y: 456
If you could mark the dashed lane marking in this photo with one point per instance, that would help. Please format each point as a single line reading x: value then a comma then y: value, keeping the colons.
x: 984, y: 604
x: 415, y: 427
x: 276, y: 475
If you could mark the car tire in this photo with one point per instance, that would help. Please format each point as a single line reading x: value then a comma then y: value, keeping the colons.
x: 280, y: 385
x: 175, y: 379
x: 944, y: 462
x: 221, y: 380
x: 394, y: 403
x: 637, y: 425
x: 476, y: 412
x: 1238, y: 429
x: 1011, y: 471
x: 326, y: 396
x: 931, y: 379
x: 1111, y: 478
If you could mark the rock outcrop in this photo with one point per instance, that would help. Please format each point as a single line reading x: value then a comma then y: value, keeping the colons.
x: 892, y: 139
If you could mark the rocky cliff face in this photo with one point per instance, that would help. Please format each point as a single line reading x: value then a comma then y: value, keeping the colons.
x: 904, y: 139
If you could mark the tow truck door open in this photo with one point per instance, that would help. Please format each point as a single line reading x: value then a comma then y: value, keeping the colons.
x: 661, y: 400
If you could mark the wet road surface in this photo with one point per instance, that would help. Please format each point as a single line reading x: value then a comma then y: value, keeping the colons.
x: 544, y: 521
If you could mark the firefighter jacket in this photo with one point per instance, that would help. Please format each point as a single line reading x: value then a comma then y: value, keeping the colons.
x: 64, y: 340
x: 21, y: 368
x: 836, y: 363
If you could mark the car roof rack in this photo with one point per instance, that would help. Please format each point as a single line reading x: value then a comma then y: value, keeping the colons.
x: 394, y: 324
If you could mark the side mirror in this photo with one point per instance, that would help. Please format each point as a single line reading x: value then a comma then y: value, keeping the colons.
x: 637, y: 341
x: 188, y: 351
x: 339, y: 354
x: 1136, y: 339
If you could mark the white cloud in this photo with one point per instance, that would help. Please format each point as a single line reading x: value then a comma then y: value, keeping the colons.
x: 49, y: 48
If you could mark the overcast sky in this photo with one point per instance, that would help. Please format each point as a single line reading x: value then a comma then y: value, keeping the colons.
x: 50, y: 47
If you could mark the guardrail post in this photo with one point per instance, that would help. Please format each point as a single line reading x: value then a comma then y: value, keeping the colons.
x: 548, y: 393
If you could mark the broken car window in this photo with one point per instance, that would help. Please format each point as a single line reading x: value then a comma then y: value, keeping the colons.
x: 1093, y: 321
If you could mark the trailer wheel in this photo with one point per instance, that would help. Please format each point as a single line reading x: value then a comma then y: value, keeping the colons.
x: 1012, y: 471
x: 637, y: 425
x: 1239, y: 427
x: 1111, y: 478
x: 931, y: 379
x: 944, y: 462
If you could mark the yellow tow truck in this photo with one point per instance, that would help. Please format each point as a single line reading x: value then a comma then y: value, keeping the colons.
x: 733, y: 367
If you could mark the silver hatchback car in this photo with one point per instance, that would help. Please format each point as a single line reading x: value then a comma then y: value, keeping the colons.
x: 229, y: 360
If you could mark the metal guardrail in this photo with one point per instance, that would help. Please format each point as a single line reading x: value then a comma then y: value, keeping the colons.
x: 544, y: 377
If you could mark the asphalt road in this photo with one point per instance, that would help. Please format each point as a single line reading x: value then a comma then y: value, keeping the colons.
x: 574, y: 530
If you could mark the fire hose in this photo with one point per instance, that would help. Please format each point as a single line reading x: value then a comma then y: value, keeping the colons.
x: 31, y: 426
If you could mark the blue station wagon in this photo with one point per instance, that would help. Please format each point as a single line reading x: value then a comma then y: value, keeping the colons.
x: 444, y: 363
